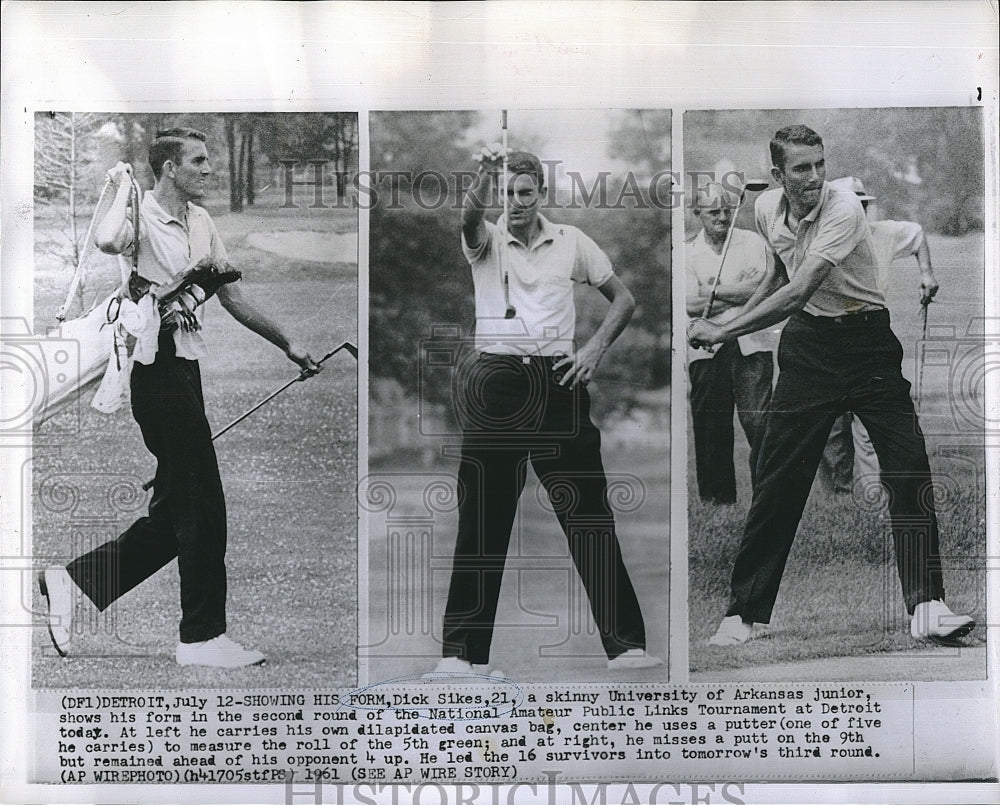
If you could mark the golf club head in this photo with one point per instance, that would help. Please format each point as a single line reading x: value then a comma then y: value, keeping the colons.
x: 510, y: 313
x: 756, y: 185
x: 351, y: 348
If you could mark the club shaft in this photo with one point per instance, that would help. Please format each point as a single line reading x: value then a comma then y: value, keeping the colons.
x: 302, y: 376
x: 503, y: 195
x: 725, y: 250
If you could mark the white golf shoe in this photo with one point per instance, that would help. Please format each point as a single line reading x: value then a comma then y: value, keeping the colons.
x: 219, y: 652
x: 449, y: 667
x: 632, y: 659
x: 733, y: 631
x: 933, y: 620
x: 58, y: 589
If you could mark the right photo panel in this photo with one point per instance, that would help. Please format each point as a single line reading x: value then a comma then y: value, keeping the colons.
x: 833, y: 265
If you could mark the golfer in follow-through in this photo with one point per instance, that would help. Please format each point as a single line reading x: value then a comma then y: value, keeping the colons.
x: 187, y: 514
x: 837, y: 353
x: 526, y: 399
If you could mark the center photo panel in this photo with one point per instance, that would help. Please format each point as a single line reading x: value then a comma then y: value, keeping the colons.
x: 516, y: 505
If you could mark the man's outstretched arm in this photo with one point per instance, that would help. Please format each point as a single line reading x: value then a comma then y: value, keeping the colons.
x: 777, y: 306
x: 242, y: 308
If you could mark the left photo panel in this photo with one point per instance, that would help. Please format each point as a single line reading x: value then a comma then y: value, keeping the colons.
x: 194, y: 397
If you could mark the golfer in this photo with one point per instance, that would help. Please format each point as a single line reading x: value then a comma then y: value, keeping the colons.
x: 892, y: 240
x: 737, y: 374
x: 187, y: 514
x: 527, y: 401
x: 837, y: 353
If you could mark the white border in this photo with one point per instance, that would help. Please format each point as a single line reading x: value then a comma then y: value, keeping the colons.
x: 354, y: 56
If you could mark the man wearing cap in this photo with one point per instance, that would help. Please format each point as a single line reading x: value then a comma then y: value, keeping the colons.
x: 737, y: 374
x: 526, y: 400
x: 187, y: 513
x: 837, y: 353
x: 849, y: 450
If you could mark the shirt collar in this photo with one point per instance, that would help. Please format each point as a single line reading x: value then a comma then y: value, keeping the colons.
x: 547, y: 231
x: 161, y: 215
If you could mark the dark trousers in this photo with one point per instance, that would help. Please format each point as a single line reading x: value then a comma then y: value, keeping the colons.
x: 719, y: 384
x: 516, y: 413
x: 187, y: 515
x: 827, y: 368
x: 836, y: 467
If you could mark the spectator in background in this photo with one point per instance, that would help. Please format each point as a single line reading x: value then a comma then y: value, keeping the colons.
x: 737, y: 374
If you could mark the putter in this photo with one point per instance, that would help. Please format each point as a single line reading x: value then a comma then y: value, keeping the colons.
x: 511, y: 311
x: 301, y: 376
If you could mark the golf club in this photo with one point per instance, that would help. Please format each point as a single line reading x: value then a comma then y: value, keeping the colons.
x: 753, y: 186
x: 301, y: 376
x: 511, y: 311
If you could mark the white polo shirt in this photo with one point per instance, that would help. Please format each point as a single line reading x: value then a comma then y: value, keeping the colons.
x: 748, y: 260
x: 166, y: 248
x: 893, y: 240
x: 837, y: 231
x: 541, y: 282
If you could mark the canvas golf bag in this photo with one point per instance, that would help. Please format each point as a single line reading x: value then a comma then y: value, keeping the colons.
x: 119, y: 329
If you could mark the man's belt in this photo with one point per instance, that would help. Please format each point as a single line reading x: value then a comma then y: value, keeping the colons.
x: 878, y: 316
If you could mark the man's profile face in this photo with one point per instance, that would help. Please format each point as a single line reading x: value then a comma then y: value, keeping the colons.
x: 803, y: 174
x: 523, y: 199
x: 715, y: 218
x: 191, y: 172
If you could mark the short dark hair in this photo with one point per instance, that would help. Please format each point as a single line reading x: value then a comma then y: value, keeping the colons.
x: 794, y: 135
x: 525, y: 162
x: 169, y: 145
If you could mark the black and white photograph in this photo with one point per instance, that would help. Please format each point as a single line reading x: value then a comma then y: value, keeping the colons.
x: 835, y: 277
x: 546, y: 346
x: 168, y: 424
x: 488, y: 403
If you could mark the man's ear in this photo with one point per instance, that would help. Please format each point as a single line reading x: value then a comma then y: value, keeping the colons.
x: 777, y: 174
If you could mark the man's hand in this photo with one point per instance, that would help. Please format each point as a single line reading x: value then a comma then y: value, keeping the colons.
x: 580, y: 367
x: 121, y: 174
x: 928, y: 287
x: 308, y: 366
x: 703, y: 333
x: 490, y: 158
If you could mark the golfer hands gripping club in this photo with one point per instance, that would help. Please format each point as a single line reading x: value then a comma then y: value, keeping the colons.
x: 701, y: 333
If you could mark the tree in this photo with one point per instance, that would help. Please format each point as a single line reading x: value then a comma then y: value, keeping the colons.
x: 64, y: 150
x: 302, y: 138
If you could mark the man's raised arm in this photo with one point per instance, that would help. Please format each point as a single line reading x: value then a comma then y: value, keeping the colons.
x: 113, y: 234
x: 478, y: 196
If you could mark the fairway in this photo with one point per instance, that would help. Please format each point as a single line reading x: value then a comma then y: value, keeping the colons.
x: 289, y: 473
x: 840, y: 595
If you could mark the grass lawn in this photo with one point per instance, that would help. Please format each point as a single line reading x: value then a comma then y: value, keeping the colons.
x: 289, y: 472
x: 545, y: 631
x: 840, y: 595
